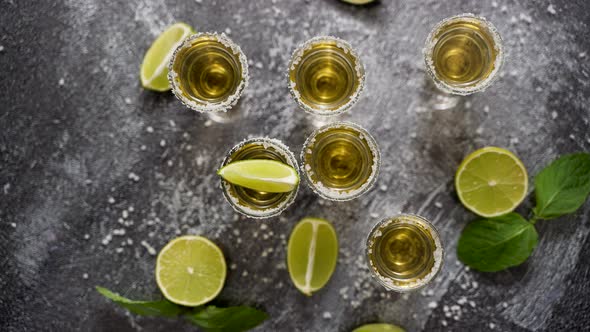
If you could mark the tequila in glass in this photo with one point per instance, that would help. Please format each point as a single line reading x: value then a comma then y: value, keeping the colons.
x: 340, y: 161
x: 404, y: 252
x: 326, y: 76
x: 463, y: 54
x: 253, y: 203
x: 208, y: 72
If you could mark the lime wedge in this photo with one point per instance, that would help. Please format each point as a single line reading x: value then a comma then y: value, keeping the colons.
x: 358, y: 2
x: 154, y: 68
x: 311, y: 254
x: 261, y: 174
x: 491, y: 182
x: 379, y: 328
x: 190, y: 270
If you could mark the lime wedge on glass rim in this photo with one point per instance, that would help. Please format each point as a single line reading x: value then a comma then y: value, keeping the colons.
x: 154, y: 68
x: 190, y: 270
x: 491, y: 182
x: 261, y: 174
x: 379, y: 327
x: 312, y: 253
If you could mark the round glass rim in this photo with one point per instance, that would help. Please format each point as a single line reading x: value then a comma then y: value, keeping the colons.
x: 265, y: 213
x: 334, y: 195
x: 438, y: 252
x: 359, y: 68
x: 478, y: 86
x: 203, y: 106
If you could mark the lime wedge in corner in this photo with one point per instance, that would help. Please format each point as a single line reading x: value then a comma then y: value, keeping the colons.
x: 312, y: 253
x: 379, y: 327
x: 190, y: 270
x: 358, y: 2
x: 154, y: 68
x: 491, y: 182
x: 261, y: 174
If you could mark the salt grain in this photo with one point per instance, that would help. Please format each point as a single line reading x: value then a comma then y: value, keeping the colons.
x: 149, y: 248
x: 551, y: 10
x: 149, y: 129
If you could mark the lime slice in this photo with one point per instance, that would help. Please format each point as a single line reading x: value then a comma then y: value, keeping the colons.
x: 379, y: 328
x: 261, y: 174
x: 358, y: 2
x: 190, y: 270
x: 491, y: 182
x: 311, y: 254
x: 154, y: 68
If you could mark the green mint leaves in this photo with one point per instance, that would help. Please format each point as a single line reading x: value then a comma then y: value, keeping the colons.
x: 491, y: 245
x: 162, y: 308
x: 562, y: 187
x: 239, y: 318
x: 495, y: 244
x: 210, y: 318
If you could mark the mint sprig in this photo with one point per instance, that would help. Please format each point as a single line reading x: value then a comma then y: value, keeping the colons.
x: 562, y: 187
x: 495, y: 244
x: 240, y: 318
x: 210, y: 318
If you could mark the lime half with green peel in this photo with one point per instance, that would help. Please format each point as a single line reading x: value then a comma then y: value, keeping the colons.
x: 491, y: 182
x: 379, y: 327
x: 154, y: 68
x: 261, y: 174
x: 190, y: 270
x: 312, y: 253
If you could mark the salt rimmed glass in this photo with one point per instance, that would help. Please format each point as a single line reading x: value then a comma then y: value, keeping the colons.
x: 326, y: 76
x: 228, y: 72
x: 340, y: 161
x: 252, y: 203
x: 485, y: 35
x: 425, y: 268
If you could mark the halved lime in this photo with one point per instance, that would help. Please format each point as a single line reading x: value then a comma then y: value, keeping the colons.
x: 358, y: 2
x: 491, y: 181
x: 379, y: 327
x: 261, y: 174
x: 311, y: 254
x: 190, y: 270
x: 154, y: 68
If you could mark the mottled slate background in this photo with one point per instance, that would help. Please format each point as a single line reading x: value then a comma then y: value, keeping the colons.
x: 82, y: 146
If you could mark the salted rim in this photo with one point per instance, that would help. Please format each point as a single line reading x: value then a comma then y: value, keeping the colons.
x: 204, y: 106
x: 413, y: 219
x: 347, y: 48
x: 265, y: 213
x: 479, y: 86
x: 342, y: 195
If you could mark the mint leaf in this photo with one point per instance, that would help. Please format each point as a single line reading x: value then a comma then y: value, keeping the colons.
x: 495, y: 244
x: 562, y: 187
x: 163, y: 308
x: 231, y: 319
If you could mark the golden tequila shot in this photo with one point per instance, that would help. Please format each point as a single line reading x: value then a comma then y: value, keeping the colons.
x: 326, y: 76
x: 404, y: 252
x: 253, y: 203
x: 463, y: 54
x: 340, y: 161
x: 208, y: 72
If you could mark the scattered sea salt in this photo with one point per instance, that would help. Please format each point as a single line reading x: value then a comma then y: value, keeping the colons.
x: 149, y: 129
x: 551, y: 10
x: 327, y: 315
x: 85, y: 276
x: 111, y: 200
x: 61, y: 82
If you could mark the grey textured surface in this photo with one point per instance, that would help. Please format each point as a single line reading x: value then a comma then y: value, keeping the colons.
x: 81, y: 142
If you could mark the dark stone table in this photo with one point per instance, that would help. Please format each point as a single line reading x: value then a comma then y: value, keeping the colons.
x: 83, y: 148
